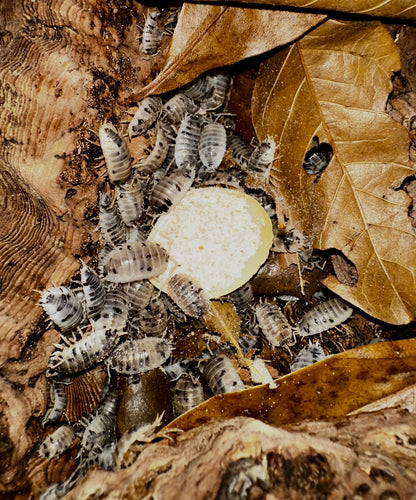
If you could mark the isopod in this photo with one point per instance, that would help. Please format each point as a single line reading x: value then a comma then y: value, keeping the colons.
x: 116, y: 153
x: 241, y: 151
x: 310, y: 354
x: 219, y: 84
x: 187, y: 141
x: 140, y: 355
x: 111, y: 225
x: 57, y: 442
x: 58, y: 398
x: 153, y: 318
x: 113, y: 315
x: 226, y: 178
x: 198, y: 88
x: 289, y: 240
x: 212, y: 145
x: 273, y: 323
x: 171, y: 188
x: 138, y: 293
x: 176, y: 368
x: 222, y: 376
x: 146, y: 114
x: 188, y: 295
x: 177, y: 107
x: 135, y: 261
x: 157, y: 156
x: 324, y: 316
x: 242, y: 297
x: 152, y: 34
x: 187, y: 394
x: 62, y: 306
x: 94, y: 290
x: 318, y: 157
x: 98, y: 430
x: 130, y: 199
x: 261, y: 160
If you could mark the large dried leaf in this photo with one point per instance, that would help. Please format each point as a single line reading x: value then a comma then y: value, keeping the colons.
x: 331, y: 388
x: 401, y: 9
x: 208, y: 37
x: 334, y: 84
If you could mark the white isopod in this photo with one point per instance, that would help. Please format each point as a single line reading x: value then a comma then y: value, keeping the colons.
x: 113, y: 315
x: 188, y: 295
x: 135, y: 261
x: 242, y: 297
x: 222, y: 376
x: 153, y: 318
x: 212, y: 145
x: 187, y: 141
x: 62, y: 306
x: 139, y: 355
x: 111, y: 225
x: 199, y: 88
x: 57, y: 442
x: 58, y: 398
x: 147, y: 113
x: 116, y: 153
x: 152, y: 34
x: 157, y: 156
x: 130, y: 199
x: 177, y: 107
x: 227, y: 178
x: 138, y: 293
x: 171, y: 188
x: 218, y: 83
x: 310, y: 354
x: 261, y: 160
x: 273, y: 323
x: 241, y: 151
x: 324, y: 316
x: 187, y: 394
x: 94, y: 290
x: 98, y: 430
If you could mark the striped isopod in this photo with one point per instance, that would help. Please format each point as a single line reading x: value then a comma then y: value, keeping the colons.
x: 222, y: 376
x: 57, y: 442
x: 171, y: 188
x: 187, y: 394
x: 147, y: 113
x: 135, y: 261
x: 266, y: 202
x: 324, y: 316
x: 58, y: 398
x: 157, y: 156
x: 98, y: 431
x: 242, y: 297
x: 54, y: 491
x: 153, y: 318
x: 226, y: 178
x: 116, y: 153
x: 139, y: 355
x: 273, y: 323
x: 310, y: 354
x: 187, y: 141
x: 138, y: 293
x: 212, y: 145
x: 130, y: 199
x: 188, y: 295
x: 113, y: 315
x: 219, y: 84
x: 111, y: 224
x: 175, y: 311
x: 241, y: 151
x: 62, y: 306
x: 318, y: 157
x: 152, y: 34
x: 261, y: 160
x: 94, y: 290
x: 176, y: 368
x: 199, y: 88
x: 175, y: 109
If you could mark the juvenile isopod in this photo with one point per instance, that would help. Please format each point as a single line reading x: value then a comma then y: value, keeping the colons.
x: 212, y: 145
x: 187, y: 394
x: 219, y: 84
x: 130, y: 199
x: 318, y: 157
x: 138, y: 293
x: 153, y: 318
x: 57, y: 442
x: 157, y: 156
x: 261, y: 160
x: 147, y: 113
x: 152, y: 34
x: 289, y: 240
x: 94, y: 290
x: 116, y: 153
x: 324, y: 316
x: 188, y: 295
x: 310, y: 354
x: 171, y: 188
x: 113, y: 315
x: 111, y: 225
x: 135, y: 261
x: 187, y: 141
x: 222, y: 376
x: 140, y: 355
x: 177, y: 107
x: 273, y: 323
x: 58, y: 398
x: 62, y: 306
x: 241, y: 151
x: 226, y: 178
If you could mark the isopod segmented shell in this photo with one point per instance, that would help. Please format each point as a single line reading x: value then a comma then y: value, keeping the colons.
x: 324, y: 316
x: 310, y: 354
x: 130, y: 199
x: 157, y: 156
x: 62, y: 306
x: 273, y: 323
x: 212, y: 145
x: 219, y: 84
x: 261, y: 160
x: 188, y: 295
x: 116, y: 153
x: 171, y: 188
x: 113, y: 315
x: 187, y: 141
x: 153, y: 318
x: 177, y: 107
x: 241, y: 151
x: 226, y: 178
x: 147, y: 113
x: 135, y: 261
x: 242, y: 297
x: 152, y: 34
x: 94, y: 290
x: 111, y: 224
x: 222, y: 376
x: 57, y: 442
x: 187, y: 394
x: 138, y: 293
x: 58, y: 397
x: 318, y: 157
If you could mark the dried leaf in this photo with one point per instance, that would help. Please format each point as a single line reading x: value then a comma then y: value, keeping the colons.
x: 331, y: 388
x: 334, y: 84
x: 205, y: 33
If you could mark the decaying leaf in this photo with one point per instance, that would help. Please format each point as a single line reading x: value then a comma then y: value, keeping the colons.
x: 223, y: 318
x: 208, y: 37
x: 334, y: 84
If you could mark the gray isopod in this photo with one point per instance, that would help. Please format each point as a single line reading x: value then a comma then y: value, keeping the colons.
x: 62, y: 306
x: 273, y: 323
x: 152, y: 34
x: 187, y: 141
x: 218, y: 83
x: 241, y: 151
x: 171, y: 188
x: 222, y: 376
x: 113, y: 315
x: 157, y: 156
x: 57, y: 442
x: 261, y: 160
x: 116, y: 153
x: 177, y: 107
x: 130, y: 199
x: 94, y: 290
x: 188, y: 295
x: 187, y: 394
x: 147, y: 113
x: 58, y: 398
x: 212, y: 145
x: 324, y: 316
x: 310, y: 354
x: 111, y: 225
x: 138, y: 293
x: 153, y: 318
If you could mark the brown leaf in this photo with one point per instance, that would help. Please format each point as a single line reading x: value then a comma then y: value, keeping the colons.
x: 331, y: 388
x: 401, y: 9
x: 334, y: 84
x: 208, y: 37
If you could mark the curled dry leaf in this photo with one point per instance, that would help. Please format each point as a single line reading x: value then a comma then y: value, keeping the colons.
x: 334, y: 84
x: 330, y: 388
x: 208, y: 37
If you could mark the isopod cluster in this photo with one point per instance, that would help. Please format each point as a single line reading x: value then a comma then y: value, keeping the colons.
x: 115, y: 318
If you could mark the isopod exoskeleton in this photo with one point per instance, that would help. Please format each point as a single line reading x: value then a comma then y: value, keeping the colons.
x: 57, y: 442
x: 171, y: 188
x: 138, y: 293
x: 111, y: 224
x: 154, y: 160
x: 219, y: 84
x: 188, y: 295
x: 115, y: 310
x: 198, y: 88
x: 152, y: 34
x: 318, y: 157
x: 289, y: 240
x: 310, y: 354
x: 227, y: 178
x: 135, y: 261
x: 212, y: 145
x: 130, y: 199
x: 58, y: 397
x: 187, y: 394
x: 222, y: 376
x: 261, y: 160
x: 241, y: 151
x: 62, y: 306
x: 94, y: 290
x: 274, y: 324
x: 242, y: 297
x: 324, y: 316
x: 98, y: 430
x: 153, y: 318
x: 177, y: 107
x: 147, y: 113
x: 116, y: 153
x: 139, y: 356
x: 187, y: 141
